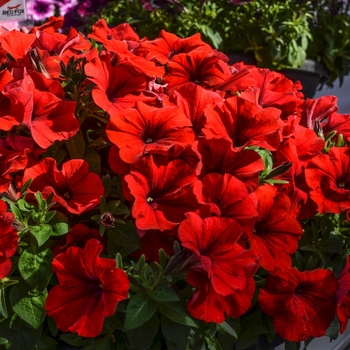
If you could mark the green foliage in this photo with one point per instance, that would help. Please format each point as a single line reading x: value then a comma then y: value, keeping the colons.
x: 279, y: 34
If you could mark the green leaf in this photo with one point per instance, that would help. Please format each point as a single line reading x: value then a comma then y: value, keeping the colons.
x: 140, y: 309
x: 46, y: 343
x: 74, y: 339
x: 228, y: 329
x: 26, y: 186
x: 20, y: 334
x: 3, y: 341
x: 163, y: 292
x: 332, y: 330
x: 145, y: 333
x: 99, y: 344
x: 76, y: 146
x: 41, y: 233
x: 56, y: 151
x: 59, y: 224
x: 41, y: 202
x: 15, y: 211
x: 35, y: 266
x: 119, y: 261
x: 49, y: 216
x: 24, y: 206
x: 177, y: 334
x: 28, y: 304
x: 52, y: 326
x: 266, y: 157
x: 125, y: 234
x: 3, y: 307
x: 291, y: 345
x: 177, y: 312
x: 94, y: 160
x: 117, y: 208
x: 249, y: 333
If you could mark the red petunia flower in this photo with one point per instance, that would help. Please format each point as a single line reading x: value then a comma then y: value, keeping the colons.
x: 105, y: 35
x: 162, y: 194
x: 328, y: 176
x: 277, y: 231
x: 318, y: 110
x: 339, y: 123
x: 224, y: 271
x: 208, y: 305
x: 154, y: 240
x: 194, y: 99
x: 89, y: 290
x: 23, y: 43
x: 148, y: 130
x: 167, y: 45
x: 117, y: 87
x: 8, y: 240
x: 48, y: 117
x: 205, y: 68
x: 78, y: 236
x: 228, y: 197
x: 302, y: 304
x: 218, y: 157
x: 16, y: 153
x: 343, y: 296
x: 245, y: 124
x: 75, y: 187
x: 273, y: 89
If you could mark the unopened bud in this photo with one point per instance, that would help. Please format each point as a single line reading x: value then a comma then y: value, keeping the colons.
x: 107, y: 219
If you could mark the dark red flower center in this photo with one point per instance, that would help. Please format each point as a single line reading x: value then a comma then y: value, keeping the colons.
x: 95, y: 287
x: 342, y: 183
x: 66, y: 195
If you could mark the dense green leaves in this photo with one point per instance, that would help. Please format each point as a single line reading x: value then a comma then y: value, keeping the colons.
x: 177, y: 312
x: 20, y: 334
x: 164, y: 293
x: 145, y: 333
x: 28, y: 304
x: 140, y: 309
x: 175, y: 333
x: 35, y: 266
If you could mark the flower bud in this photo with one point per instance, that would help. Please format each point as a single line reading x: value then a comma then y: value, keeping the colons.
x: 107, y: 219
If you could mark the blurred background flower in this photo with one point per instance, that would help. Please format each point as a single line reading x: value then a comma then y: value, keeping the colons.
x: 43, y: 9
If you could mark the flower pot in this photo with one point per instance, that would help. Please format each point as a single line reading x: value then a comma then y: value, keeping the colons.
x: 344, y: 343
x: 311, y: 74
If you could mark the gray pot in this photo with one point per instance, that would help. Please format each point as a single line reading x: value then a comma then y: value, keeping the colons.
x: 344, y: 343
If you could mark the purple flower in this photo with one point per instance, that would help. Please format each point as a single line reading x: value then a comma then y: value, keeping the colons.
x: 66, y: 6
x: 90, y: 6
x: 43, y: 9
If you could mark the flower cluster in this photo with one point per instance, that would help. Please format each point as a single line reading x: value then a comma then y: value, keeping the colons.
x: 73, y: 11
x: 156, y: 196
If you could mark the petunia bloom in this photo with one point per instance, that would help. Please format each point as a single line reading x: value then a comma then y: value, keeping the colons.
x: 343, y: 296
x: 277, y: 231
x: 224, y: 271
x: 78, y: 236
x: 89, y: 290
x: 302, y: 304
x: 148, y: 130
x: 75, y: 187
x: 328, y: 176
x: 8, y: 240
x: 43, y: 9
x: 162, y: 194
